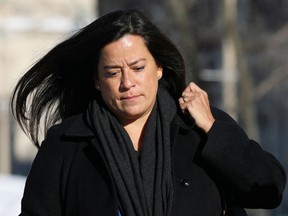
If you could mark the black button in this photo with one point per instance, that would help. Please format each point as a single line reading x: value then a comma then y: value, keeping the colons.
x: 185, y: 182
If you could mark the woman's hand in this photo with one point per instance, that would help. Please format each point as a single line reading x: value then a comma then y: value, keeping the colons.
x: 195, y: 101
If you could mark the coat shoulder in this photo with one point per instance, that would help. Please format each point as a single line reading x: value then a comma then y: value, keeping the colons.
x: 221, y: 115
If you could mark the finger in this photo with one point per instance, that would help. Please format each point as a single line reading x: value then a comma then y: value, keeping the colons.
x: 183, y: 105
x: 185, y: 102
x: 184, y: 97
x: 189, y: 96
x: 194, y: 88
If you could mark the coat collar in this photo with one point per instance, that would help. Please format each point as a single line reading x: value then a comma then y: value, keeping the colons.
x: 78, y: 128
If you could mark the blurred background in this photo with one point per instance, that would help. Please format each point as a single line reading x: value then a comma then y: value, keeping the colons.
x: 237, y: 50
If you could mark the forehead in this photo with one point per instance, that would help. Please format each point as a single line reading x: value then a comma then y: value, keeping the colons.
x: 126, y: 43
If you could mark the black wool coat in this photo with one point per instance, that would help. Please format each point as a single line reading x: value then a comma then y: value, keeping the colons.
x: 70, y: 177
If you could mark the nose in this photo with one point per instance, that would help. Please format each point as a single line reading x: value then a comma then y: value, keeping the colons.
x: 127, y: 80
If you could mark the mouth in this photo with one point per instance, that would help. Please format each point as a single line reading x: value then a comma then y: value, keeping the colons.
x: 130, y: 98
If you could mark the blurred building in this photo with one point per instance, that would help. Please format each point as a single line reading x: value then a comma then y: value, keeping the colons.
x: 28, y: 29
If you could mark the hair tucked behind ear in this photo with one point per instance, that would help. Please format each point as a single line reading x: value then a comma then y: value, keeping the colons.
x: 61, y: 84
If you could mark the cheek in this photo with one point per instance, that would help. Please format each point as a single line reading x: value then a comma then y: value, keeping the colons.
x: 140, y: 76
x: 109, y: 92
x: 107, y: 97
x: 106, y: 90
x: 150, y: 77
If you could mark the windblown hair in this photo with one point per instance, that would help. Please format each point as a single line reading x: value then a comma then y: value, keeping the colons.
x: 61, y: 84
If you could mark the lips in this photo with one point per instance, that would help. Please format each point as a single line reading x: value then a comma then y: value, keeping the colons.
x: 132, y: 97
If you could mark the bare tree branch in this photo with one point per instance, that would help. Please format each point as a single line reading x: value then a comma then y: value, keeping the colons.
x: 274, y: 80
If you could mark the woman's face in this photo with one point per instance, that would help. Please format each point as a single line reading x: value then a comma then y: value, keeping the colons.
x: 128, y: 78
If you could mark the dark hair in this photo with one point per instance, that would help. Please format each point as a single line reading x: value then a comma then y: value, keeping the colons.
x: 61, y: 84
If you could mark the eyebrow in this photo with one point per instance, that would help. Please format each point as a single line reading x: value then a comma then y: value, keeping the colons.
x: 130, y: 64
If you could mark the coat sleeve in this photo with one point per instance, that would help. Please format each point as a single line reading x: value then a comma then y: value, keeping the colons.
x: 42, y: 193
x: 252, y: 177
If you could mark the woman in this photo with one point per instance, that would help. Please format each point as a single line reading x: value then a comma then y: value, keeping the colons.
x: 131, y: 139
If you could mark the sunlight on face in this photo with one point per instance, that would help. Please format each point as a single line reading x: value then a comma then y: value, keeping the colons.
x: 128, y: 78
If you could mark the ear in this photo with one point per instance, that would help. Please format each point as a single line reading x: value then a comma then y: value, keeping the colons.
x: 159, y: 72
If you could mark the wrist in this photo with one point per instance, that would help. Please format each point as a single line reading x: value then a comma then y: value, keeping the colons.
x: 208, y: 125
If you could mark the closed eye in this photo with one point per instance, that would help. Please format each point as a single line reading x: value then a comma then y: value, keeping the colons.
x: 138, y: 69
x: 111, y: 73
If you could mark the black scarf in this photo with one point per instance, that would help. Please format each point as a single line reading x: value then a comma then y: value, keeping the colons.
x: 143, y: 182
